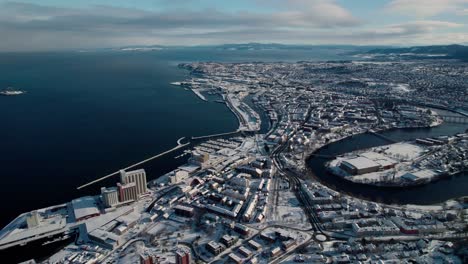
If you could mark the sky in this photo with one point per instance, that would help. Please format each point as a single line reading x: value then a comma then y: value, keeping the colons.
x: 28, y: 25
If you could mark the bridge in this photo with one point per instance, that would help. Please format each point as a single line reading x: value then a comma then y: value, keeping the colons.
x: 456, y: 119
x: 372, y: 132
x: 323, y: 156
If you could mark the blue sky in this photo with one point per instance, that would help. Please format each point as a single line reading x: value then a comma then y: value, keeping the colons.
x: 59, y: 24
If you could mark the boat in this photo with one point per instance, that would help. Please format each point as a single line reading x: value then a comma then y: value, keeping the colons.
x: 10, y: 92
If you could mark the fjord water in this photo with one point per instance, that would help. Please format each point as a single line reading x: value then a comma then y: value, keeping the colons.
x: 86, y: 114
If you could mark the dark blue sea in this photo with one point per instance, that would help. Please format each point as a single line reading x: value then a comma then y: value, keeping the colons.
x: 86, y: 114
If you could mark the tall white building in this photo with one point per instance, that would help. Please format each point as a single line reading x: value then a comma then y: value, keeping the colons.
x: 33, y: 219
x: 137, y: 176
x: 110, y: 196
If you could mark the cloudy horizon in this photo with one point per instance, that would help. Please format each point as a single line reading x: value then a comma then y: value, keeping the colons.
x: 57, y: 25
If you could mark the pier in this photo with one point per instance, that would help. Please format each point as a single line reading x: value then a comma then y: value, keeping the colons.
x: 199, y: 94
x: 179, y: 145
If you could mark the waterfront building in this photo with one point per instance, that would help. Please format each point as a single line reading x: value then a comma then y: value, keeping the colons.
x: 359, y: 165
x: 110, y: 196
x: 199, y: 158
x: 127, y: 192
x: 178, y: 176
x: 33, y: 219
x: 84, y: 208
x: 138, y: 177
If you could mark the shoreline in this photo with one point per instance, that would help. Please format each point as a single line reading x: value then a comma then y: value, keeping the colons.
x: 311, y: 174
x: 396, y: 185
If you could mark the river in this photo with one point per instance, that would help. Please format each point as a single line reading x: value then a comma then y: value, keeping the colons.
x: 434, y: 192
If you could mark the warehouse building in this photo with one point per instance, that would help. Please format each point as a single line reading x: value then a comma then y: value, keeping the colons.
x: 359, y: 165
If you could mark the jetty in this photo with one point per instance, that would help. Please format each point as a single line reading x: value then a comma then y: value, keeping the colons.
x: 179, y: 145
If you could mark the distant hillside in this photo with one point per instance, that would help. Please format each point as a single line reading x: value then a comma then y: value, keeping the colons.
x: 277, y: 46
x: 377, y: 52
x: 440, y: 51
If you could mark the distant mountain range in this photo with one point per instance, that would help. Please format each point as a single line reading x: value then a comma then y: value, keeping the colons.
x: 253, y: 46
x: 273, y: 46
x: 434, y: 52
x: 440, y: 51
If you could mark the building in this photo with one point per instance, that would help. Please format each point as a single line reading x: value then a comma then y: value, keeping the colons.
x: 84, y: 208
x: 110, y: 196
x: 412, y: 226
x: 242, y: 229
x: 275, y: 252
x: 127, y: 192
x: 287, y: 245
x: 255, y: 172
x: 184, y: 211
x: 183, y: 255
x: 199, y: 158
x: 138, y: 177
x: 251, y: 207
x: 245, y: 252
x: 235, y: 258
x: 375, y: 227
x: 240, y: 182
x: 214, y: 248
x: 359, y: 165
x: 105, y: 239
x: 147, y: 258
x: 178, y: 176
x: 33, y: 219
x: 227, y: 240
x: 254, y: 245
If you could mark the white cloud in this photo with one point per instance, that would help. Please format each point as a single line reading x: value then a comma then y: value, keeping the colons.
x: 463, y: 12
x: 28, y: 27
x: 425, y: 8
